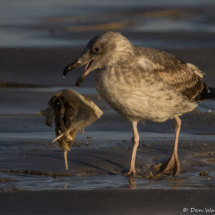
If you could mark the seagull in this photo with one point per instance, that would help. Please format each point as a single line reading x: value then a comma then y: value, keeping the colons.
x: 143, y: 84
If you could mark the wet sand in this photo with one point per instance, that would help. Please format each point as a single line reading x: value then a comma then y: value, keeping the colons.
x: 107, y: 202
x: 43, y: 66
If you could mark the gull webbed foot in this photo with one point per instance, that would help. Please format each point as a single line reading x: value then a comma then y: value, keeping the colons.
x: 168, y: 167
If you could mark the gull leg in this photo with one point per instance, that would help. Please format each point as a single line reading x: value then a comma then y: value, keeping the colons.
x: 172, y: 165
x: 135, y: 142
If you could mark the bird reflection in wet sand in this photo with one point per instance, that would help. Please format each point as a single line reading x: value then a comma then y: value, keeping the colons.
x: 132, y: 184
x: 143, y: 84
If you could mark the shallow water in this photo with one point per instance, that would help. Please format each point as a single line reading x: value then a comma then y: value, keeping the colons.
x: 81, y: 90
x: 37, y: 183
x: 108, y: 135
x: 53, y: 23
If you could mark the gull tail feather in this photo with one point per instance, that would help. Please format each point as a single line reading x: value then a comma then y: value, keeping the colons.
x: 207, y: 93
x: 212, y: 92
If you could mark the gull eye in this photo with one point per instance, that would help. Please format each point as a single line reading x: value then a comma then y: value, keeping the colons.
x: 95, y: 50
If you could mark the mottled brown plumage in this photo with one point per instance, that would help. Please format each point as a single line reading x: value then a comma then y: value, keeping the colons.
x: 175, y: 72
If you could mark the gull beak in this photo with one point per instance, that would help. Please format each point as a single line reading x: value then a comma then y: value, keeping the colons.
x: 89, y: 67
x: 65, y: 158
x: 70, y: 67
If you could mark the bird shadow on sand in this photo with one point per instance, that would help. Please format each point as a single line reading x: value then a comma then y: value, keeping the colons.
x: 82, y: 162
x: 124, y: 169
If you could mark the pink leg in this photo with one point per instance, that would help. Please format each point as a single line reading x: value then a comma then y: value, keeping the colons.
x: 172, y: 165
x: 135, y: 142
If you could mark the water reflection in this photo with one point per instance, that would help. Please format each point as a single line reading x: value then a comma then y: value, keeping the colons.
x: 38, y: 183
x: 132, y: 183
x: 65, y: 186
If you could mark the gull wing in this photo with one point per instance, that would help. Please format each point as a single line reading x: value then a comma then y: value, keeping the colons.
x: 184, y: 77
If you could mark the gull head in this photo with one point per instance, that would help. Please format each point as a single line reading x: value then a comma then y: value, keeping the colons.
x: 104, y: 50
